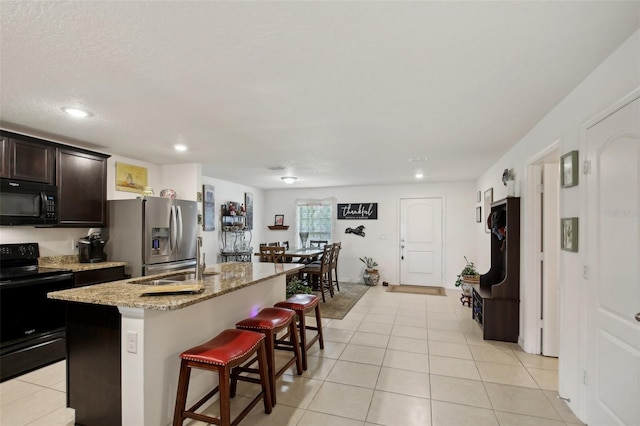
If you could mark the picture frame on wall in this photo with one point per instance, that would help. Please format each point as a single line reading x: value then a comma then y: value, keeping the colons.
x: 208, y: 208
x: 479, y: 214
x: 488, y: 199
x: 569, y: 170
x: 479, y: 197
x: 569, y: 234
x: 248, y: 206
x: 279, y: 220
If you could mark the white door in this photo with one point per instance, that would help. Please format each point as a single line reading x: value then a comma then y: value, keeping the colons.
x: 613, y: 296
x: 550, y: 244
x: 421, y: 241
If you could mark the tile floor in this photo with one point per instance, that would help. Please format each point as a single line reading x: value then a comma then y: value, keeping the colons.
x: 395, y: 359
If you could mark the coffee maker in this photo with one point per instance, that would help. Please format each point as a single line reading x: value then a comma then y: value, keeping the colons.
x: 91, y: 248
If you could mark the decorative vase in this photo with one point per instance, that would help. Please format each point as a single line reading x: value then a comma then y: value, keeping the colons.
x: 466, y: 289
x: 371, y: 276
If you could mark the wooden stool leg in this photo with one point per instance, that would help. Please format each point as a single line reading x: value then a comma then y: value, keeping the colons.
x: 293, y: 333
x: 181, y: 399
x: 303, y: 338
x: 225, y: 399
x: 271, y: 364
x: 264, y: 378
x: 319, y: 326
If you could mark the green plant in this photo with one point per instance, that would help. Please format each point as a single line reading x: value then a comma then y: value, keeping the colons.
x: 369, y: 262
x: 469, y: 269
x: 295, y: 286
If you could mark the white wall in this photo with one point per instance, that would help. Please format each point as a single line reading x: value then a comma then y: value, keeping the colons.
x: 459, y: 221
x: 616, y: 77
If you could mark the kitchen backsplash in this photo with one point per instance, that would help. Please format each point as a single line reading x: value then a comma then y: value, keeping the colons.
x: 52, y: 241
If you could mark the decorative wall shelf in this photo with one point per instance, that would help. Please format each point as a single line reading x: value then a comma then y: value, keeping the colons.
x: 278, y: 227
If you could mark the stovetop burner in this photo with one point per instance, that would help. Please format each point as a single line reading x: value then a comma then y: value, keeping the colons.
x: 20, y: 261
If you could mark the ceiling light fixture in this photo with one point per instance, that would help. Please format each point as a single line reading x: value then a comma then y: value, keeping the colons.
x: 289, y: 179
x: 180, y: 147
x: 417, y: 159
x: 76, y: 112
x: 419, y: 175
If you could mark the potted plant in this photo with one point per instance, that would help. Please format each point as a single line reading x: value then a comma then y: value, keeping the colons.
x: 469, y: 274
x: 295, y: 286
x: 371, y: 275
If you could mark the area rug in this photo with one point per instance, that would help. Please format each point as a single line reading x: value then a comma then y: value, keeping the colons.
x: 417, y: 289
x: 340, y: 304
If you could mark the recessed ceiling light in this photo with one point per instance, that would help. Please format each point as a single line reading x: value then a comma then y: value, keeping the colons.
x: 180, y: 147
x: 417, y: 159
x: 289, y: 179
x: 76, y: 112
x: 419, y: 175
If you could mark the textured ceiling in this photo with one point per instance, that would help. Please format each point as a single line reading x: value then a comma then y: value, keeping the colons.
x: 337, y: 93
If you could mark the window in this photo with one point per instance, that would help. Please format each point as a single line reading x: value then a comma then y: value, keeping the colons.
x: 314, y: 220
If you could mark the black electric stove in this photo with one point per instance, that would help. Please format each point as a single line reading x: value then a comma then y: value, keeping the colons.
x: 32, y: 326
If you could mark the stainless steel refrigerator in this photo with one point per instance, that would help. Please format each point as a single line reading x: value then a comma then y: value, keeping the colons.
x: 152, y: 234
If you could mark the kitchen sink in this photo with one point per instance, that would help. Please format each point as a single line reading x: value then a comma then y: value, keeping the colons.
x: 169, y: 279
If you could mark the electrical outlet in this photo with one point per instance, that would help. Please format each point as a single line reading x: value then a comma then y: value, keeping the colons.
x: 73, y: 245
x: 382, y: 236
x: 132, y: 342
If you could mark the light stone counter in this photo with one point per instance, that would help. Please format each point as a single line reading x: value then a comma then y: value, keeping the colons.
x: 72, y: 263
x: 219, y: 279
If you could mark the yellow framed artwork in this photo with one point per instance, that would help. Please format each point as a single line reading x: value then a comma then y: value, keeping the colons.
x: 130, y: 178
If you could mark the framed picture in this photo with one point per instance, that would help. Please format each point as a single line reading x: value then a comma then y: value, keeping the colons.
x: 569, y: 236
x: 208, y: 208
x: 478, y: 214
x: 130, y: 178
x: 279, y: 220
x: 248, y: 206
x: 569, y: 169
x: 479, y: 197
x: 488, y: 199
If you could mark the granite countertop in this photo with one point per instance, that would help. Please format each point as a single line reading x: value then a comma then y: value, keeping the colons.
x: 218, y: 280
x: 72, y: 263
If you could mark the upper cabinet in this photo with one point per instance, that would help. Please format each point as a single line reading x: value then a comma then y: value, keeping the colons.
x: 82, y: 188
x: 27, y: 159
x: 80, y: 176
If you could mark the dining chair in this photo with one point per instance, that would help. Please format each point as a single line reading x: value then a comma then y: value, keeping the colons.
x: 334, y: 265
x: 272, y: 254
x: 318, y: 275
x: 285, y: 244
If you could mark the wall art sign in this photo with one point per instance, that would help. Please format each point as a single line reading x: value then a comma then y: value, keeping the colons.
x: 569, y: 170
x: 569, y: 234
x: 358, y: 211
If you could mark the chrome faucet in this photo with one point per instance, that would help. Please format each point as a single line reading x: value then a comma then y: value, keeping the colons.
x: 200, y: 265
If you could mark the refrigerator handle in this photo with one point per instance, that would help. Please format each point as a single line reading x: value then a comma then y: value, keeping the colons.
x: 172, y: 229
x: 179, y: 240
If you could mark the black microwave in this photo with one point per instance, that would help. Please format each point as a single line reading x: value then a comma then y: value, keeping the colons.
x: 27, y: 203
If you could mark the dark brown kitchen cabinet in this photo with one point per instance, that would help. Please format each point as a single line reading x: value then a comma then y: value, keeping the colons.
x: 82, y: 188
x: 27, y: 159
x: 97, y: 276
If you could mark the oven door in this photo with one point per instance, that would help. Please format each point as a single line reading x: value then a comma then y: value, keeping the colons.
x: 32, y: 326
x: 27, y: 203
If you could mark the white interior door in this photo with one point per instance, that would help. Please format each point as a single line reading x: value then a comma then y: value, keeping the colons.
x: 613, y: 298
x: 421, y: 241
x: 550, y: 244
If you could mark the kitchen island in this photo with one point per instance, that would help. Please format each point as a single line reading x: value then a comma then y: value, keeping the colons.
x: 123, y: 347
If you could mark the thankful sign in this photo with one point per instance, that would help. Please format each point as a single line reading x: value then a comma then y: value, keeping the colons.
x: 358, y: 211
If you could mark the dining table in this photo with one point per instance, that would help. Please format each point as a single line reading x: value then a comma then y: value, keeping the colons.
x: 299, y: 255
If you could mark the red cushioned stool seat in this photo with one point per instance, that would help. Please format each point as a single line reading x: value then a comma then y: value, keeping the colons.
x: 301, y: 304
x: 270, y: 321
x: 223, y: 354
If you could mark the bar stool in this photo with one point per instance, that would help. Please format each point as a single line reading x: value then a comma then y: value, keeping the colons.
x: 223, y: 354
x: 271, y: 321
x: 301, y: 304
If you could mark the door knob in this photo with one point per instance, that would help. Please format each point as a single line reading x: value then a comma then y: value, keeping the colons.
x: 638, y: 317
